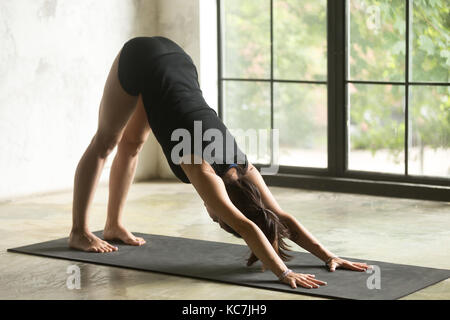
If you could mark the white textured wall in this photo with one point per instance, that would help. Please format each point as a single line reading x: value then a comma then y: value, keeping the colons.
x: 55, y: 56
x: 208, y: 51
x: 54, y: 59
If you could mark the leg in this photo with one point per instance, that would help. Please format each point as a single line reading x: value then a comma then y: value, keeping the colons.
x: 116, y: 108
x: 122, y: 174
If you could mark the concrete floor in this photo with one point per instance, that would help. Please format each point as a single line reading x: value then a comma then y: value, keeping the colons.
x: 385, y: 229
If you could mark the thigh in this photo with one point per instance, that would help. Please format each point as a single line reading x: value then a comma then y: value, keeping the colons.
x: 116, y: 106
x: 137, y: 128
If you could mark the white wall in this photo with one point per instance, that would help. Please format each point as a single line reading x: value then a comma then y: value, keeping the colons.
x: 54, y: 60
x: 208, y: 51
x: 55, y: 56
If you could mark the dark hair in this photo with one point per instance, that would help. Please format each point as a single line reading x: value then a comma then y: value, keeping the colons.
x: 246, y: 197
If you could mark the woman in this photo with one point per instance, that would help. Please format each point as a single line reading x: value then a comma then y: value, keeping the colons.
x: 153, y: 85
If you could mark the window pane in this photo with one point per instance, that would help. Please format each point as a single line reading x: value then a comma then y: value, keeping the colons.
x: 247, y: 106
x: 246, y: 38
x: 377, y: 129
x: 300, y: 40
x: 376, y: 40
x: 430, y: 40
x: 429, y: 144
x: 300, y: 114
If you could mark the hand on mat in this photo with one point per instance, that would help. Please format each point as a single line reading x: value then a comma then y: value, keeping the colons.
x: 304, y: 280
x: 345, y: 264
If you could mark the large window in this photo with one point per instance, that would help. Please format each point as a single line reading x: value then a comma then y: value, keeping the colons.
x: 398, y: 94
x: 268, y: 82
x: 356, y: 88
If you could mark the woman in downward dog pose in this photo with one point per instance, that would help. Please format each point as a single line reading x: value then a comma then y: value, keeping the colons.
x: 153, y: 86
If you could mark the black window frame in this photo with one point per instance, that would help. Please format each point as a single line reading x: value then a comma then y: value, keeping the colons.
x: 337, y: 177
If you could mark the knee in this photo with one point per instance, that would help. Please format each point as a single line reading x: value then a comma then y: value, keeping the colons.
x: 131, y: 147
x: 104, y: 144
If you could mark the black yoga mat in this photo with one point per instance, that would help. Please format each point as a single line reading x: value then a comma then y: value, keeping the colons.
x: 225, y: 262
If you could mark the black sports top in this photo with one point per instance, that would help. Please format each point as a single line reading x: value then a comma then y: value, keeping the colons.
x: 167, y: 78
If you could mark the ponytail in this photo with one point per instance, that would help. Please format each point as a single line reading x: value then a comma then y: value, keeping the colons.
x: 275, y: 231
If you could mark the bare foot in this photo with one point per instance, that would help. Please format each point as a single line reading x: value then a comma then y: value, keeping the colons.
x: 122, y: 234
x: 87, y: 241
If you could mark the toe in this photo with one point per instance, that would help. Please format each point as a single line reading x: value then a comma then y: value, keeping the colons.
x: 134, y: 242
x: 106, y: 245
x: 138, y: 241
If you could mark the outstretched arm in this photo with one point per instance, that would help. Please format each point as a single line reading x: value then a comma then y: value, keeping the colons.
x: 212, y: 190
x: 299, y: 234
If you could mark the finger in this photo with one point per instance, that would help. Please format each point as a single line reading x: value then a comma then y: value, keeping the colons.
x: 317, y: 281
x: 333, y: 266
x: 293, y: 284
x: 359, y: 264
x: 356, y: 267
x: 310, y: 275
x: 312, y: 284
x: 362, y: 265
x: 353, y: 267
x: 304, y: 284
x: 311, y: 278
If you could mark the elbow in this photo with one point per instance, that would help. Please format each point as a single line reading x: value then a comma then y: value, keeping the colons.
x: 245, y: 227
x: 285, y: 217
